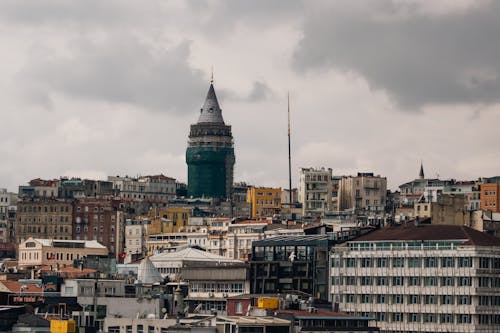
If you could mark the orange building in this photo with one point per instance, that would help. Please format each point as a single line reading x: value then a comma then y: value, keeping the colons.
x: 264, y: 201
x: 490, y: 198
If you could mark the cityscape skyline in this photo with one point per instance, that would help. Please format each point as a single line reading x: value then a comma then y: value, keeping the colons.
x: 93, y: 96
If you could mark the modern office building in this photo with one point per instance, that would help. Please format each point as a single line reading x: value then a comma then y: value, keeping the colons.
x: 420, y: 278
x: 210, y: 154
x: 291, y: 263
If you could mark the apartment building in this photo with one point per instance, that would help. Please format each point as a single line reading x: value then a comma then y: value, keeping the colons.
x: 150, y: 188
x: 365, y: 191
x: 315, y: 190
x: 43, y: 218
x: 96, y: 219
x: 420, y: 278
x: 446, y: 209
x: 264, y: 201
x: 490, y: 194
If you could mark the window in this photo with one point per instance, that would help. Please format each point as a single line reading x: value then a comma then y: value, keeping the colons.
x: 464, y: 300
x: 381, y: 299
x: 350, y: 262
x: 447, y: 300
x: 465, y: 281
x: 431, y: 281
x: 446, y: 318
x: 366, y: 298
x: 397, y: 316
x: 413, y: 317
x: 447, y: 262
x: 465, y: 262
x: 484, y: 262
x: 397, y: 262
x: 447, y: 281
x: 414, y: 281
x: 431, y: 262
x: 382, y: 262
x: 366, y: 281
x: 430, y: 299
x: 430, y: 318
x: 397, y: 281
x: 397, y: 299
x: 413, y: 299
x: 464, y: 319
x: 238, y: 308
x: 366, y: 262
x: 414, y: 262
x: 382, y: 281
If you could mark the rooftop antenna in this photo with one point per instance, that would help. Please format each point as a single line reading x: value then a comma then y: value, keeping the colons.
x: 289, y: 158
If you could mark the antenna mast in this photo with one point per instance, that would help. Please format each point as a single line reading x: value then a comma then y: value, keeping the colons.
x: 289, y: 158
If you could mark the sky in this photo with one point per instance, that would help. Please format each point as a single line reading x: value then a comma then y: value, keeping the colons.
x: 96, y: 88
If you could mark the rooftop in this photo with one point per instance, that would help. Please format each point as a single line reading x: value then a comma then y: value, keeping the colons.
x: 430, y: 232
x: 296, y: 240
x: 191, y: 254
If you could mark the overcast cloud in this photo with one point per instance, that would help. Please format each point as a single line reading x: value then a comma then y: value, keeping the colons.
x: 92, y: 88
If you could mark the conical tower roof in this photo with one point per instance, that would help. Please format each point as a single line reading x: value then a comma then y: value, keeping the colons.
x: 211, y: 111
x: 147, y: 272
x: 421, y: 174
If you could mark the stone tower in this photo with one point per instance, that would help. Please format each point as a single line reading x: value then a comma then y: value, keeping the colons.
x: 210, y: 153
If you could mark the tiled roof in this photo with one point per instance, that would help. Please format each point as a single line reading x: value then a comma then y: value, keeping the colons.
x: 427, y: 232
x: 15, y: 287
x: 211, y: 111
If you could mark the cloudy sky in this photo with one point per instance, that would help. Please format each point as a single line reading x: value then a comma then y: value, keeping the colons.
x: 95, y: 88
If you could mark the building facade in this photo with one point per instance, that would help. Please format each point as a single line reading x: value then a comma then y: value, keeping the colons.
x: 40, y: 252
x: 210, y: 153
x: 264, y: 201
x: 145, y: 188
x: 43, y: 218
x: 315, y: 190
x: 420, y: 278
x: 98, y: 220
x: 490, y: 194
x: 364, y: 192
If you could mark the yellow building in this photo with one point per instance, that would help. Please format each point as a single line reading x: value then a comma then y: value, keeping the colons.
x: 264, y: 201
x: 172, y: 219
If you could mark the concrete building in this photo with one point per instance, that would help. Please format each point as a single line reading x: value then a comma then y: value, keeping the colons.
x: 240, y: 237
x: 471, y: 190
x: 365, y: 192
x: 446, y: 209
x: 241, y: 208
x: 43, y: 217
x: 210, y: 154
x: 420, y: 278
x: 315, y: 190
x: 490, y: 194
x: 97, y: 219
x: 40, y: 252
x: 8, y: 202
x: 145, y: 188
x: 73, y: 188
x: 264, y: 201
x: 40, y: 188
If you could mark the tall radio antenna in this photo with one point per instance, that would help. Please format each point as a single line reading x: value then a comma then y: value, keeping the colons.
x: 289, y: 157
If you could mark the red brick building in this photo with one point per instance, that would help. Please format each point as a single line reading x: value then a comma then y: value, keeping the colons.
x: 97, y: 219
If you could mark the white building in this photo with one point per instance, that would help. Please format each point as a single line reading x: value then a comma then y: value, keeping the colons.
x: 420, y: 278
x: 315, y: 190
x: 158, y: 187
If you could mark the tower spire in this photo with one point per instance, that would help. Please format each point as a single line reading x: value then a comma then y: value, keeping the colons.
x: 421, y: 174
x: 212, y: 76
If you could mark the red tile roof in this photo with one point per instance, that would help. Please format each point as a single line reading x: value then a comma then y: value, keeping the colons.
x: 427, y: 232
x: 15, y: 287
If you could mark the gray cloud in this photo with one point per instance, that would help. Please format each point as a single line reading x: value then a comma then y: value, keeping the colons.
x: 118, y: 69
x: 417, y: 57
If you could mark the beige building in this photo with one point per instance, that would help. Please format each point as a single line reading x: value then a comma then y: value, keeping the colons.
x: 44, y: 218
x: 315, y: 190
x: 447, y: 209
x: 40, y: 252
x: 364, y: 191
